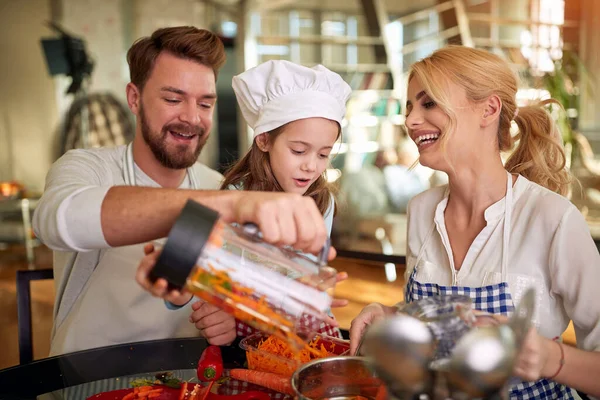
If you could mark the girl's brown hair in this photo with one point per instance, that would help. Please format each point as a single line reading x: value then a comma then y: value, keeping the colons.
x: 539, y: 155
x: 253, y: 172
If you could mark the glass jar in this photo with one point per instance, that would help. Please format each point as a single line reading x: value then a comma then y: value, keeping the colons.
x: 267, y: 287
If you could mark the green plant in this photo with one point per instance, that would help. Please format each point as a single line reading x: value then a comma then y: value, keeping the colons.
x: 564, y: 85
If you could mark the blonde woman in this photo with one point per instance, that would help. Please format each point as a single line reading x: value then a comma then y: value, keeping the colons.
x: 497, y: 229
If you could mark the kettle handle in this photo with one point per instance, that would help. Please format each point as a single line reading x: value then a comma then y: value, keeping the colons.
x: 251, y: 229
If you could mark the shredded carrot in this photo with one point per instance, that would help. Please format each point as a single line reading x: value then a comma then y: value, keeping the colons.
x: 242, y: 303
x: 263, y: 360
x: 216, y: 286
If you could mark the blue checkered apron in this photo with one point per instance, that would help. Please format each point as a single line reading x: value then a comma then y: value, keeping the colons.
x: 494, y: 299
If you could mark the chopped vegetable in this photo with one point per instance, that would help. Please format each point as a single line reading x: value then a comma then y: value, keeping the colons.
x: 143, y: 392
x: 163, y: 378
x: 276, y: 382
x: 381, y: 393
x: 240, y: 302
x: 207, y: 391
x: 257, y: 360
x: 215, y: 286
x: 183, y: 392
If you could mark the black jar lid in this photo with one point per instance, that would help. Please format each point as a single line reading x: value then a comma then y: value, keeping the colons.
x: 185, y: 243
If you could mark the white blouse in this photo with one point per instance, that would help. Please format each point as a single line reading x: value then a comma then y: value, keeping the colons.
x: 550, y: 248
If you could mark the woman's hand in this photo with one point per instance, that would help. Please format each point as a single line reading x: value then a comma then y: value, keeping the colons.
x: 539, y: 357
x: 369, y: 315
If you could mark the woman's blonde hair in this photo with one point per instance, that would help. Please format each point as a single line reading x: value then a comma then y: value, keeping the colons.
x: 254, y: 172
x: 539, y: 155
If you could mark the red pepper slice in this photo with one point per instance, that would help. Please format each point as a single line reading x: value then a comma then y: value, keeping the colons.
x: 183, y: 392
x: 251, y: 395
x: 210, y: 365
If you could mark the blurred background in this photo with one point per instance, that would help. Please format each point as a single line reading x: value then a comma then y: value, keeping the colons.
x: 49, y: 105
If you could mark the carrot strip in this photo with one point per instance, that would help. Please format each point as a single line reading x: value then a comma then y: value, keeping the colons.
x: 207, y: 392
x: 268, y: 380
x: 381, y: 393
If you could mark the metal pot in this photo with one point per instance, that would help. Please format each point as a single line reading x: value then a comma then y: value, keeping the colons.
x: 336, y: 378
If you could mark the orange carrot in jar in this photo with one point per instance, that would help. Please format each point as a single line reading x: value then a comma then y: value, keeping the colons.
x: 269, y: 380
x: 381, y: 393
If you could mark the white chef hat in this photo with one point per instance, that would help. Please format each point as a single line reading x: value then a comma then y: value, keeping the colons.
x: 277, y: 92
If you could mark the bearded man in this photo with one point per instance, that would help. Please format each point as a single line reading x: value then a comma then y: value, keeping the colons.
x: 100, y: 206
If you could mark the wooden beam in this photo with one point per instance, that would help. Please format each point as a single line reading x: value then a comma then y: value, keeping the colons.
x: 437, y: 36
x: 424, y: 14
x: 463, y: 23
x: 221, y: 7
x: 488, y: 19
x: 317, y: 39
x: 374, y: 28
x: 447, y: 20
x: 358, y: 67
x: 511, y: 44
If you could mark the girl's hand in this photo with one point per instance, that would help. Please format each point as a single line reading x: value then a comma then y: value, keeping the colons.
x: 337, y: 303
x: 218, y: 327
x: 160, y: 287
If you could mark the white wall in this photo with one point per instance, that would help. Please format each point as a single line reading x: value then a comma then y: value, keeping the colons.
x: 28, y: 112
x: 32, y: 103
x: 100, y: 23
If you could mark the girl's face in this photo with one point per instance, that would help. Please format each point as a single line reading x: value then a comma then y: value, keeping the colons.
x: 300, y: 153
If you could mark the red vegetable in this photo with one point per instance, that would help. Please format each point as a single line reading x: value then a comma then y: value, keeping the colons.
x: 210, y: 365
x: 251, y: 395
x: 207, y: 392
x: 381, y: 393
x: 183, y: 392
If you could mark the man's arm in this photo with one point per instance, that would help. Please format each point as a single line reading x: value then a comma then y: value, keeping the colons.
x: 136, y: 215
x: 81, y: 210
x: 131, y: 214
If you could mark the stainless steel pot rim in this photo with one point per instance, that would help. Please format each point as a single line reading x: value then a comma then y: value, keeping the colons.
x: 309, y: 364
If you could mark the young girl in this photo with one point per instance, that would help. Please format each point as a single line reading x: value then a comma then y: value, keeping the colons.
x: 498, y: 229
x: 296, y: 114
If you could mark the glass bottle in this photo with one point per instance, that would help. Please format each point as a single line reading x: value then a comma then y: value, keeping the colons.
x: 270, y: 288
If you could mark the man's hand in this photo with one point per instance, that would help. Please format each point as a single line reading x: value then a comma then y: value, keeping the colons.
x: 216, y: 325
x: 284, y: 219
x: 160, y: 287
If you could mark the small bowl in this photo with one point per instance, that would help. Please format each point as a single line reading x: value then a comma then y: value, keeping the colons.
x: 338, y: 378
x: 282, y: 365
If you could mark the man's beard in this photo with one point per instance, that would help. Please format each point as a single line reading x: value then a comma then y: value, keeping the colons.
x: 178, y: 157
